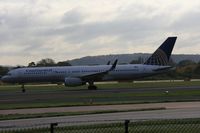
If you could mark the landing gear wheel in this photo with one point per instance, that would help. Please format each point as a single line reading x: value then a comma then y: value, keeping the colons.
x: 23, y: 89
x: 92, y: 87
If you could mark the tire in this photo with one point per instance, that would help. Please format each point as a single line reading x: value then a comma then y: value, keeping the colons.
x: 92, y: 87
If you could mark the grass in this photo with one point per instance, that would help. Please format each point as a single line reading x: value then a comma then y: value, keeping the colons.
x: 167, y: 126
x: 150, y: 126
x: 57, y: 96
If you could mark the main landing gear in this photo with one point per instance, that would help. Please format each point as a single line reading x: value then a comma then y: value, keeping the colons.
x: 92, y: 86
x: 23, y: 89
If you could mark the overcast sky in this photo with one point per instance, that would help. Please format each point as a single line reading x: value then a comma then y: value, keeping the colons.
x: 66, y: 29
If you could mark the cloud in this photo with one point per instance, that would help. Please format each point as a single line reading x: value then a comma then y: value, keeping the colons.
x: 36, y: 29
x: 125, y: 29
x: 72, y: 17
x: 188, y: 22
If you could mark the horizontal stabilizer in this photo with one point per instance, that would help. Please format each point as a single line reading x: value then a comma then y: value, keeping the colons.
x: 163, y: 69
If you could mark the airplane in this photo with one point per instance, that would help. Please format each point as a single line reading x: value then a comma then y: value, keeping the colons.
x: 72, y: 76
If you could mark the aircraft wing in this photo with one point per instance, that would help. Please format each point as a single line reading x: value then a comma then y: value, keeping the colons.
x: 99, y: 75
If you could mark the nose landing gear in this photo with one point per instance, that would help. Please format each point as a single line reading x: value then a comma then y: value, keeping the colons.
x: 23, y: 88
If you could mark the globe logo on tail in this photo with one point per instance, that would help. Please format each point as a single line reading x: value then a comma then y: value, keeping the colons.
x: 162, y: 55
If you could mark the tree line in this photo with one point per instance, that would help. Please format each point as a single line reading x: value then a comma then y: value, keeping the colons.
x: 42, y: 63
x: 48, y: 62
x: 185, y: 69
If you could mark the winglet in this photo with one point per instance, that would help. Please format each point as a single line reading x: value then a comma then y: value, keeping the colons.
x: 114, y: 65
x: 108, y: 63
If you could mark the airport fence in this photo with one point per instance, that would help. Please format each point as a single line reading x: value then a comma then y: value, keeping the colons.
x: 127, y: 126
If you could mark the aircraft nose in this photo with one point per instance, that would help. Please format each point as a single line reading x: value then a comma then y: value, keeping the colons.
x: 4, y: 78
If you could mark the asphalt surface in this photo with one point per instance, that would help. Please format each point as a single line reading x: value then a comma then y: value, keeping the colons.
x: 123, y: 107
x: 176, y: 113
x: 65, y: 95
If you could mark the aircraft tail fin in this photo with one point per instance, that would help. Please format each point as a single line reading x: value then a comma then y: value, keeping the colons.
x: 162, y: 55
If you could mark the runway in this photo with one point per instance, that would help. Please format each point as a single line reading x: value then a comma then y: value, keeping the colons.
x: 122, y: 107
x: 17, y: 97
x: 187, y: 110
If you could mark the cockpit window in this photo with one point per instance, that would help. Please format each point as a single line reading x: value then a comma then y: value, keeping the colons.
x: 9, y: 74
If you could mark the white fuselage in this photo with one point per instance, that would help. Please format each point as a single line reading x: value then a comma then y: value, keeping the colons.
x: 58, y: 74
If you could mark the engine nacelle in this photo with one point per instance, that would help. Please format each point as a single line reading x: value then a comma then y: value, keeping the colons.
x: 74, y: 82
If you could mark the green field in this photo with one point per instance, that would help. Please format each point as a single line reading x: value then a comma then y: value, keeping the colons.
x: 153, y: 126
x: 11, y: 97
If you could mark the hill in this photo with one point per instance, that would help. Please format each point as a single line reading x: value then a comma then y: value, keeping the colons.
x: 127, y: 58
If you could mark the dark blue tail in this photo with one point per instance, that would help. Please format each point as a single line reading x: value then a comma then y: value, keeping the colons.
x: 162, y: 55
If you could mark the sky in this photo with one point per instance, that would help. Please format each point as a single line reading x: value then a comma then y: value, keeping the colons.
x: 31, y: 30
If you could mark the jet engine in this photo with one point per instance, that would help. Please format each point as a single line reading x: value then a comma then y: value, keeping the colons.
x: 74, y: 82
